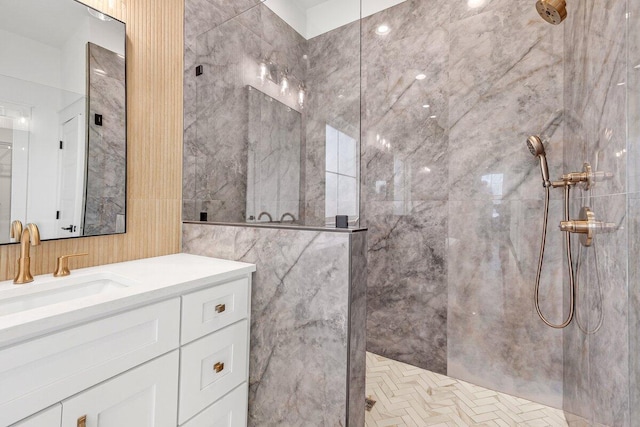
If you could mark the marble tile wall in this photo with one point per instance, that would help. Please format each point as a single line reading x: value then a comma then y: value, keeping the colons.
x: 634, y: 307
x: 334, y: 99
x: 597, y: 370
x: 452, y: 198
x: 357, y: 329
x: 633, y: 210
x: 307, y: 324
x: 107, y: 147
x: 106, y: 156
x: 226, y: 38
x: 404, y: 193
x: 200, y: 17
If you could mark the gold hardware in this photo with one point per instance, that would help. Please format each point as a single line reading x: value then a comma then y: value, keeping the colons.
x: 82, y: 421
x: 552, y: 11
x: 220, y: 308
x: 62, y: 265
x: 30, y: 234
x: 218, y: 367
x: 585, y: 177
x: 16, y: 230
x: 586, y: 226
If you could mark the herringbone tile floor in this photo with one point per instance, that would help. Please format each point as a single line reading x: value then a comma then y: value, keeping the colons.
x: 410, y: 396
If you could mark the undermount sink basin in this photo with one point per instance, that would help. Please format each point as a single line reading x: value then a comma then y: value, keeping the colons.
x: 62, y: 290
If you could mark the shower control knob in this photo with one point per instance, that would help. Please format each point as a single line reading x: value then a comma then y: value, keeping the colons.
x: 587, y: 226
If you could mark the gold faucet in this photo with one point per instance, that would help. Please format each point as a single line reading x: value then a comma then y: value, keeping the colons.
x: 16, y: 230
x: 30, y: 235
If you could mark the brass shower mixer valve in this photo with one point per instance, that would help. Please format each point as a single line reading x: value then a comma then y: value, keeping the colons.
x: 585, y: 179
x: 586, y: 226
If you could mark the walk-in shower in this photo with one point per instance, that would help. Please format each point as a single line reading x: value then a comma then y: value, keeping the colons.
x: 453, y: 228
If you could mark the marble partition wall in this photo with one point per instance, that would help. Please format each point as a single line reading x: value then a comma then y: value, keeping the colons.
x: 307, y: 359
x: 598, y: 82
x: 107, y: 144
x: 452, y: 197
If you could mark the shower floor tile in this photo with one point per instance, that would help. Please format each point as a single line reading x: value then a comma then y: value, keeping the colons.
x: 410, y: 396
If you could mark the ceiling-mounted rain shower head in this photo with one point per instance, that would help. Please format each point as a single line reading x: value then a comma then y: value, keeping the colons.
x: 552, y: 11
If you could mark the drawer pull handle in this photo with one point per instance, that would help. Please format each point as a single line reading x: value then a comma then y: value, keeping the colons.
x: 82, y: 421
x: 218, y: 367
x: 220, y: 308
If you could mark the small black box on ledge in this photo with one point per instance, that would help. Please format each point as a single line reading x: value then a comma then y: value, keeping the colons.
x: 342, y: 221
x: 203, y: 216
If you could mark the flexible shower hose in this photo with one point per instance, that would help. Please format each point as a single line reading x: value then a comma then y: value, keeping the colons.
x: 569, y: 262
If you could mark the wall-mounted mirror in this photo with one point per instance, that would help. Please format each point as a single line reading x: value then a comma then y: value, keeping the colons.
x: 62, y: 119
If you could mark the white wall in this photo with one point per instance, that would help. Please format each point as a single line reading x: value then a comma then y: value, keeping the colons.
x: 30, y: 60
x: 73, y: 60
x: 73, y: 53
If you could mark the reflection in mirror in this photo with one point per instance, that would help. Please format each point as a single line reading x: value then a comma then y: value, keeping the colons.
x: 62, y: 119
x: 273, y: 173
x: 271, y: 99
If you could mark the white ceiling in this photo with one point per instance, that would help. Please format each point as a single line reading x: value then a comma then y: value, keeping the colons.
x: 308, y: 4
x: 312, y: 18
x: 46, y: 21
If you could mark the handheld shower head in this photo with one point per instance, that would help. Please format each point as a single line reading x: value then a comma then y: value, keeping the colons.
x: 552, y: 11
x: 537, y: 149
x: 534, y: 143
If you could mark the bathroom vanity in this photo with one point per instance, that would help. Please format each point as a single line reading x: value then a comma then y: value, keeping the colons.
x: 156, y: 342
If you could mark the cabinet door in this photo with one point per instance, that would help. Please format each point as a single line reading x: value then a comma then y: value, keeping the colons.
x: 146, y: 396
x: 50, y: 417
x: 230, y: 411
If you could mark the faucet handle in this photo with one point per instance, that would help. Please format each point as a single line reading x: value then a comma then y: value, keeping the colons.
x: 62, y: 265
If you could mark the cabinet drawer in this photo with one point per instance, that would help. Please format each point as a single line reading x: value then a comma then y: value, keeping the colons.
x: 41, y: 372
x: 214, y: 308
x: 230, y: 411
x: 48, y: 418
x: 200, y: 384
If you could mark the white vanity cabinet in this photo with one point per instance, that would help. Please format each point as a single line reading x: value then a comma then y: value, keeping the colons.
x: 214, y: 358
x: 144, y: 396
x: 180, y: 361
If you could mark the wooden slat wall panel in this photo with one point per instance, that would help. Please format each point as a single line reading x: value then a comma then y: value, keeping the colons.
x: 154, y: 125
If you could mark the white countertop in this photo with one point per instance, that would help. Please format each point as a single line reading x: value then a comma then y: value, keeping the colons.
x: 150, y: 280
